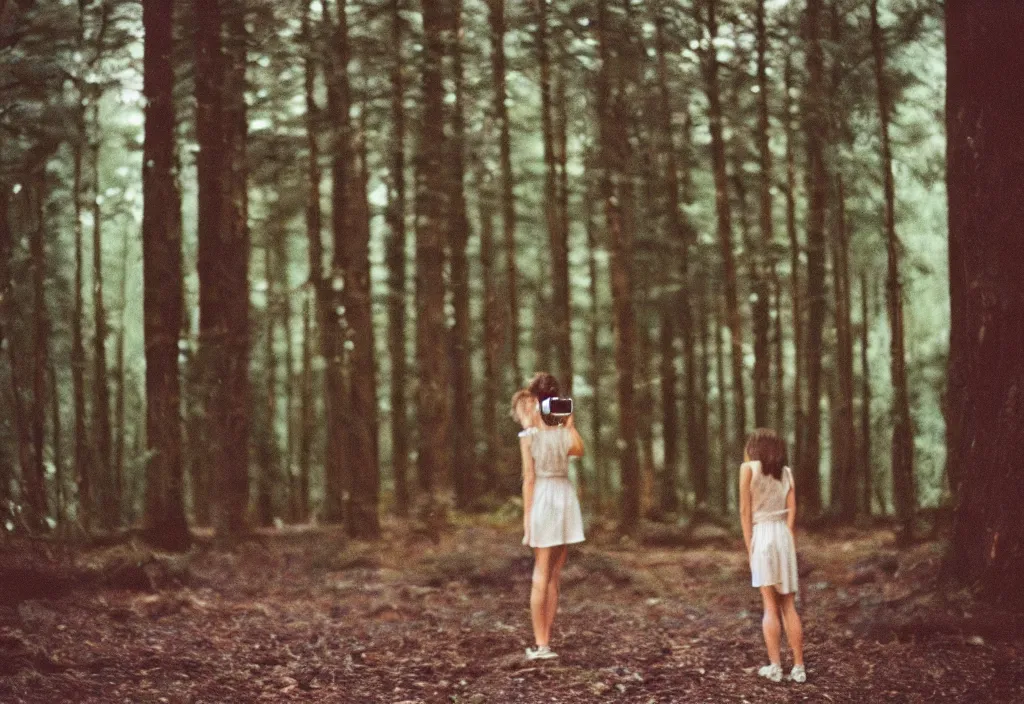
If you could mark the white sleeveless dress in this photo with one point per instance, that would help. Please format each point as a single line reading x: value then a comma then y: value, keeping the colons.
x: 556, y: 518
x: 772, y: 550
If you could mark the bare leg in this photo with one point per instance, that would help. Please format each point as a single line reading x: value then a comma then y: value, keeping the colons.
x: 794, y: 630
x: 558, y: 558
x: 770, y: 624
x: 539, y: 593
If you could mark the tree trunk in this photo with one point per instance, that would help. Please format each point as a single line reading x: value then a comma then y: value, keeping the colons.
x: 35, y: 473
x: 268, y: 474
x: 561, y: 126
x: 668, y: 495
x: 645, y: 422
x: 601, y: 483
x: 761, y: 252
x: 904, y: 485
x: 615, y: 157
x: 59, y: 503
x: 82, y: 455
x: 723, y: 420
x: 328, y: 326
x: 795, y: 290
x: 351, y: 225
x: 492, y: 466
x: 288, y: 464
x: 844, y: 441
x: 431, y: 211
x: 307, y: 413
x: 496, y: 18
x: 700, y: 400
x: 808, y: 476
x: 165, y: 525
x: 223, y: 255
x: 463, y: 442
x: 396, y: 264
x: 779, y: 342
x: 119, y: 373
x: 558, y: 310
x: 986, y: 216
x: 724, y: 219
x: 866, y: 468
x: 681, y: 238
x: 6, y: 289
x: 108, y: 501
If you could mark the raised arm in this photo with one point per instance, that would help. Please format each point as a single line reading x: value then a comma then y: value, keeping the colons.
x: 529, y: 479
x: 576, y: 448
x: 746, y: 510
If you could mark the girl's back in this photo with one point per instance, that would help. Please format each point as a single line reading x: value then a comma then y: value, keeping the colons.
x: 768, y: 494
x: 550, y: 451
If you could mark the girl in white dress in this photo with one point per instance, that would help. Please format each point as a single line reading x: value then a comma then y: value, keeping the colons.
x: 768, y: 515
x: 551, y: 511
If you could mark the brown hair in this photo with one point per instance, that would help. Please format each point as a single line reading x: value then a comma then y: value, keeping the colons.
x: 517, y: 398
x: 765, y: 446
x: 543, y: 385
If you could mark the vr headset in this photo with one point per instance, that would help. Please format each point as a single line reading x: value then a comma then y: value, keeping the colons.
x: 557, y: 407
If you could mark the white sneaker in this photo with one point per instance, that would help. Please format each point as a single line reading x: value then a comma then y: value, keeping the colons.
x: 771, y: 672
x: 798, y: 674
x: 541, y: 652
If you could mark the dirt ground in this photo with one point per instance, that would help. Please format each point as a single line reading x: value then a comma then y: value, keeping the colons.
x: 306, y: 616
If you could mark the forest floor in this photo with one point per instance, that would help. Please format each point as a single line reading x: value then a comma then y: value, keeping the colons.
x: 307, y: 616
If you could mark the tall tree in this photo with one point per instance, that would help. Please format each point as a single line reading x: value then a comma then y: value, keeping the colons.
x: 595, y: 363
x: 396, y: 263
x: 844, y: 475
x: 267, y: 437
x: 681, y: 238
x: 328, y: 326
x: 35, y: 472
x: 432, y: 395
x: 351, y: 224
x: 723, y: 210
x: 82, y: 454
x: 119, y: 374
x: 491, y: 337
x: 795, y: 286
x: 307, y: 414
x: 615, y: 160
x: 558, y: 235
x: 6, y: 290
x: 763, y: 279
x: 496, y: 18
x: 162, y: 286
x: 463, y: 443
x: 723, y: 416
x: 904, y: 485
x: 109, y: 514
x: 223, y: 254
x: 866, y: 468
x: 984, y: 100
x: 815, y: 125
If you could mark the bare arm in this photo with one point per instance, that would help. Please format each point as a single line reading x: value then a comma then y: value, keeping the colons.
x: 529, y: 479
x: 576, y: 449
x: 791, y: 505
x: 746, y: 510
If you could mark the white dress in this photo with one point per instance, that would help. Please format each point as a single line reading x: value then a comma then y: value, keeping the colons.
x: 772, y: 551
x: 555, y: 518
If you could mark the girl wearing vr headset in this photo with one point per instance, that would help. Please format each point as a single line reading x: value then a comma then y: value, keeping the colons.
x: 551, y: 511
